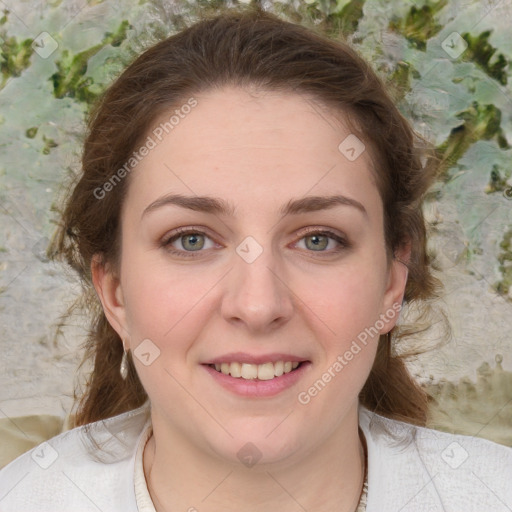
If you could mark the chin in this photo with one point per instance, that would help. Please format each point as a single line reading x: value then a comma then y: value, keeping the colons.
x: 261, y: 442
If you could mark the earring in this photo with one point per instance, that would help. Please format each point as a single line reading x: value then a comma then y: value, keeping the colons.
x: 389, y: 345
x: 123, y: 370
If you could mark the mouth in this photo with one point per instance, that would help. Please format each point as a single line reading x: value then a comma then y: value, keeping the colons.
x: 265, y: 371
x: 262, y: 380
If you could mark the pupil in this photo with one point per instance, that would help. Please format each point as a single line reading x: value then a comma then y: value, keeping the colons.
x: 317, y: 241
x: 192, y: 241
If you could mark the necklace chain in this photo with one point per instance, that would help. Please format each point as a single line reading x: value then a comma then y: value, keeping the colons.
x: 361, y: 506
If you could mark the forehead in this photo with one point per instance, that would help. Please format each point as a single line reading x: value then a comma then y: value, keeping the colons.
x: 241, y: 143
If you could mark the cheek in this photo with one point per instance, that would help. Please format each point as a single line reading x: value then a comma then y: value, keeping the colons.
x: 163, y: 302
x: 347, y: 301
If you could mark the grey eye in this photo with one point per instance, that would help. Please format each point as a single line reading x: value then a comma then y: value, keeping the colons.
x: 192, y: 242
x: 317, y: 242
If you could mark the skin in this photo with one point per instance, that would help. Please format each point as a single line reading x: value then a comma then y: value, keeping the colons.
x: 257, y: 150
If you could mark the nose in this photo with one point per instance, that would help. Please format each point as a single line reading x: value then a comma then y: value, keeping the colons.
x: 257, y: 295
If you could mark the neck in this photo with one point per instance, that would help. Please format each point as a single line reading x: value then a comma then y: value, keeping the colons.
x: 329, y: 477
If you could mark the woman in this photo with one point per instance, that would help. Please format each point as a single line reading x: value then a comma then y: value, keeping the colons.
x: 247, y: 225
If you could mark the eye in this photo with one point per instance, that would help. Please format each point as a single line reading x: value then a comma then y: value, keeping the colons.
x: 194, y: 240
x: 191, y: 240
x: 318, y: 240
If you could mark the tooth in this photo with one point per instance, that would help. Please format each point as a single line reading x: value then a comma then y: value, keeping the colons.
x: 279, y: 368
x: 266, y: 371
x: 235, y: 370
x: 249, y: 371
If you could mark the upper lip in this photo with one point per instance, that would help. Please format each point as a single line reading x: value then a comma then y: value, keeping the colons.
x: 243, y: 357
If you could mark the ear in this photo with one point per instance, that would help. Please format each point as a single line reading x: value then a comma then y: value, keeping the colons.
x: 108, y: 287
x: 395, y: 289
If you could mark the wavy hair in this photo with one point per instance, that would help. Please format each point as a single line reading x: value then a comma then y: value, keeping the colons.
x: 244, y: 47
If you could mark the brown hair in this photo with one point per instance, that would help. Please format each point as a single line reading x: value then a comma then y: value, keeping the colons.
x: 242, y: 47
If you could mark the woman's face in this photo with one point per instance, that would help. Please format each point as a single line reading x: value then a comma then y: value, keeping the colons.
x: 284, y: 263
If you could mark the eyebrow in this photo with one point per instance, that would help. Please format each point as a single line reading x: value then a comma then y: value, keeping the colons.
x: 218, y: 206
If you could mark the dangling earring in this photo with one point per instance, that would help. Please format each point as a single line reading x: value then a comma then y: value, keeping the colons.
x: 389, y: 345
x: 123, y: 370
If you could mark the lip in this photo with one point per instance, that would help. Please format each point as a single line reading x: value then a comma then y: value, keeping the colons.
x: 243, y: 357
x: 255, y: 387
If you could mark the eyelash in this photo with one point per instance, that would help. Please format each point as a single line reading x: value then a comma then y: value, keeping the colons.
x: 166, y: 242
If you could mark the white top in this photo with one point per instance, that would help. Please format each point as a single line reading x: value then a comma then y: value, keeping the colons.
x: 410, y: 469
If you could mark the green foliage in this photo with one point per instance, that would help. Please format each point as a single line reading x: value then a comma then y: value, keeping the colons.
x: 420, y: 24
x: 49, y: 144
x: 481, y: 122
x: 462, y: 104
x: 70, y: 79
x: 457, y: 103
x: 346, y: 20
x: 504, y: 286
x: 14, y: 57
x: 497, y: 182
x: 31, y: 132
x: 481, y: 52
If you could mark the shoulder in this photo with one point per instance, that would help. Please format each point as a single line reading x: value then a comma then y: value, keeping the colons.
x: 89, y: 467
x: 426, y: 469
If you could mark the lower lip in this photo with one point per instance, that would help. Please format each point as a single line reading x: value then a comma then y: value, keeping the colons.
x: 255, y: 387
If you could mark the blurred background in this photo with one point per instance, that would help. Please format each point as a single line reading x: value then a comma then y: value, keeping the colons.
x: 447, y: 64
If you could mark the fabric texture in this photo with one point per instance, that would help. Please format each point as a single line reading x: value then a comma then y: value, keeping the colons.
x: 19, y: 435
x: 410, y: 469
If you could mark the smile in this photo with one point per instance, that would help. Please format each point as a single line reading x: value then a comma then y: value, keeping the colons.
x: 265, y: 371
